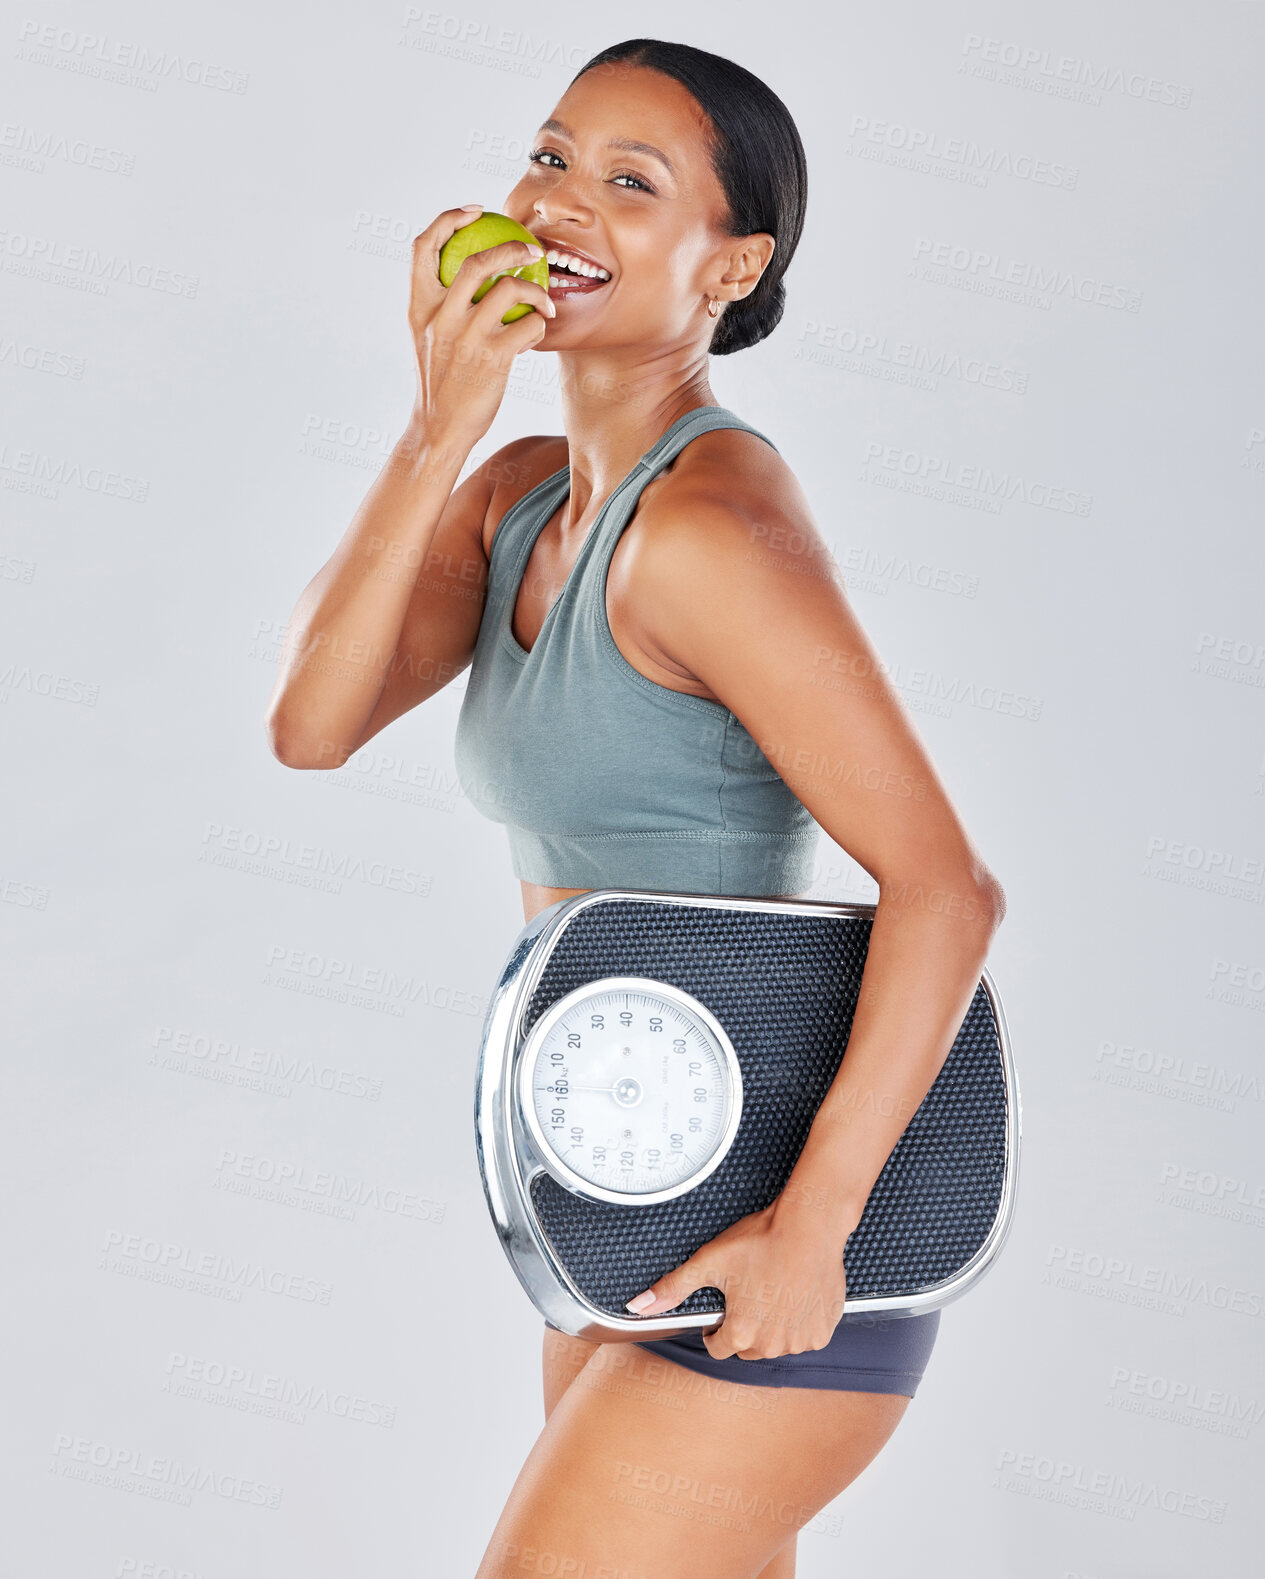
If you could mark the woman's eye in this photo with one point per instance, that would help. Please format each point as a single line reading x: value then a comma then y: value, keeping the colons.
x: 538, y: 155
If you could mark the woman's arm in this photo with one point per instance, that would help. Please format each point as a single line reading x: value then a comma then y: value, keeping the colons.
x: 751, y: 603
x: 411, y: 563
x: 927, y: 948
x: 413, y: 550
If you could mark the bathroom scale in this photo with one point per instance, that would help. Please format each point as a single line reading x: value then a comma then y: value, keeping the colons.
x: 650, y: 1066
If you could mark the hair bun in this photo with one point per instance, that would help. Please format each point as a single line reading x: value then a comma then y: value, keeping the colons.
x: 745, y: 323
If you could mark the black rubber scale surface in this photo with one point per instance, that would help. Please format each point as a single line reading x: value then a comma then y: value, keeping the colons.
x: 785, y: 989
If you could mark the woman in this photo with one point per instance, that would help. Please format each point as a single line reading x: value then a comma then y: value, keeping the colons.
x: 643, y: 600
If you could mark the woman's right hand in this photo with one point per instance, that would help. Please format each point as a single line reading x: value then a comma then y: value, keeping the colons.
x: 464, y: 351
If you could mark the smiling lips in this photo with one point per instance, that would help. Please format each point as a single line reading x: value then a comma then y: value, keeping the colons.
x: 573, y: 276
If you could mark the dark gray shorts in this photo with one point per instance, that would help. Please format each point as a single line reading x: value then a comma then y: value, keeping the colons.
x: 866, y: 1354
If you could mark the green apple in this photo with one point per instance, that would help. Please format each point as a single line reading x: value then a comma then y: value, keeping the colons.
x: 490, y: 230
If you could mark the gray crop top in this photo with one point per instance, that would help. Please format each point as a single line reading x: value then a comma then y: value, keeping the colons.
x: 602, y: 777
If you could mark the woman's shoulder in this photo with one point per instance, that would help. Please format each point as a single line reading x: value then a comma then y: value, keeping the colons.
x: 728, y: 517
x: 514, y: 470
x: 725, y: 473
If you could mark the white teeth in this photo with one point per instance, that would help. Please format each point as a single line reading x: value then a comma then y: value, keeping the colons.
x: 566, y: 260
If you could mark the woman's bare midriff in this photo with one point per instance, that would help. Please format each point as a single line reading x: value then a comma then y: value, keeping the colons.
x: 536, y: 897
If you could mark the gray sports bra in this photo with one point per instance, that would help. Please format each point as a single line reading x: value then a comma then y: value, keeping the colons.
x: 602, y: 777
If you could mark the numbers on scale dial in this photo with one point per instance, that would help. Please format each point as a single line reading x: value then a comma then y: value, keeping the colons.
x: 631, y: 1090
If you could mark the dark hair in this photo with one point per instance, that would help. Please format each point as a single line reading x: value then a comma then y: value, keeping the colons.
x: 758, y: 158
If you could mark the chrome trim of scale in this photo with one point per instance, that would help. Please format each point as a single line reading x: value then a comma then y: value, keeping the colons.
x: 507, y: 1169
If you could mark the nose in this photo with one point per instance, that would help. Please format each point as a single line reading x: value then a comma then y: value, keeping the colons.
x: 565, y: 197
x: 556, y: 207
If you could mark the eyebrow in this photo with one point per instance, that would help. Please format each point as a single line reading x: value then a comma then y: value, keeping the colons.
x: 628, y: 144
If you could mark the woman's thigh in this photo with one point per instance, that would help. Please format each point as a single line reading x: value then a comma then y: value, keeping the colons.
x: 562, y: 1358
x: 646, y: 1470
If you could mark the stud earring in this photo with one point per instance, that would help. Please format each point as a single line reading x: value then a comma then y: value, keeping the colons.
x: 713, y: 308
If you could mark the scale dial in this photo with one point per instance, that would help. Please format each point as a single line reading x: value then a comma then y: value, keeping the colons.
x: 631, y: 1089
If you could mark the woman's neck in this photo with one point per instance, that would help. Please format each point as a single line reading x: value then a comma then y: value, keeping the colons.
x: 612, y: 416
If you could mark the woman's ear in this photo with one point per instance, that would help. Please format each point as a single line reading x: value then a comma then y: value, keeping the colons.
x: 747, y: 259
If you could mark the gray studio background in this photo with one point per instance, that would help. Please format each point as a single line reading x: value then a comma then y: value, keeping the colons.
x: 1019, y: 378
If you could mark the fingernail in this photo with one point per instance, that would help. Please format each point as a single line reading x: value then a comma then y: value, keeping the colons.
x: 640, y: 1303
x: 534, y: 250
x: 471, y: 207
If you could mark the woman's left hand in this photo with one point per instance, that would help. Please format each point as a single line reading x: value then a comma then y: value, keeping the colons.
x: 783, y: 1282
